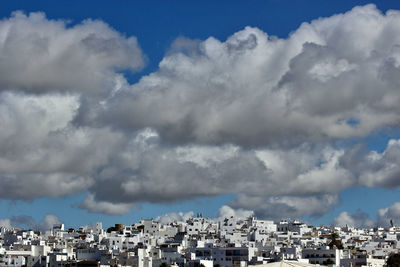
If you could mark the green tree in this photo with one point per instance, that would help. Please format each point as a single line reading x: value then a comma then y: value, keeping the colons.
x: 335, y: 242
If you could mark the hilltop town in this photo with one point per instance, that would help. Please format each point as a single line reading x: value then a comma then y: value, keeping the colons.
x: 199, y: 241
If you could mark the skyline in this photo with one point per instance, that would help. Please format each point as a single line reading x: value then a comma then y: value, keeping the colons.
x: 117, y: 117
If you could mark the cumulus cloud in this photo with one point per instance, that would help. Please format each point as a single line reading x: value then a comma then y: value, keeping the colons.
x: 174, y: 217
x: 18, y: 221
x: 147, y: 170
x: 222, y: 213
x: 384, y: 218
x: 359, y: 219
x: 286, y: 206
x: 41, y: 153
x: 254, y: 89
x: 5, y: 223
x: 226, y: 212
x: 45, y: 224
x: 24, y: 221
x: 48, y: 222
x: 255, y: 115
x: 270, y: 104
x: 95, y: 206
x: 373, y: 168
x: 40, y: 55
x: 391, y: 213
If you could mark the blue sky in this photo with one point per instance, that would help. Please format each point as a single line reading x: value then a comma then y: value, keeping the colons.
x: 158, y: 25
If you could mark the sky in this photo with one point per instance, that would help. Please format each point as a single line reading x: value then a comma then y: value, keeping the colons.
x: 124, y: 110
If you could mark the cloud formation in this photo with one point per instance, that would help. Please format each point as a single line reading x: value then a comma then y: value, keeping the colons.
x: 26, y: 221
x: 358, y: 220
x: 48, y: 222
x: 374, y: 168
x: 384, y: 218
x: 6, y: 223
x: 286, y: 206
x: 330, y: 79
x: 95, y: 206
x: 226, y: 212
x: 41, y: 153
x: 255, y: 116
x: 174, y: 217
x: 39, y: 55
x: 391, y: 213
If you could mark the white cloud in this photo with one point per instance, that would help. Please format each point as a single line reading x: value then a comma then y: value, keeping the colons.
x: 96, y: 206
x: 256, y: 90
x: 375, y: 169
x: 327, y: 70
x: 305, y: 170
x: 41, y: 55
x: 359, y: 220
x: 148, y: 170
x: 222, y: 213
x: 391, y: 213
x: 256, y: 116
x: 174, y: 217
x: 6, y: 223
x: 385, y: 216
x: 42, y: 153
x: 227, y: 212
x: 48, y: 222
x: 286, y: 206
